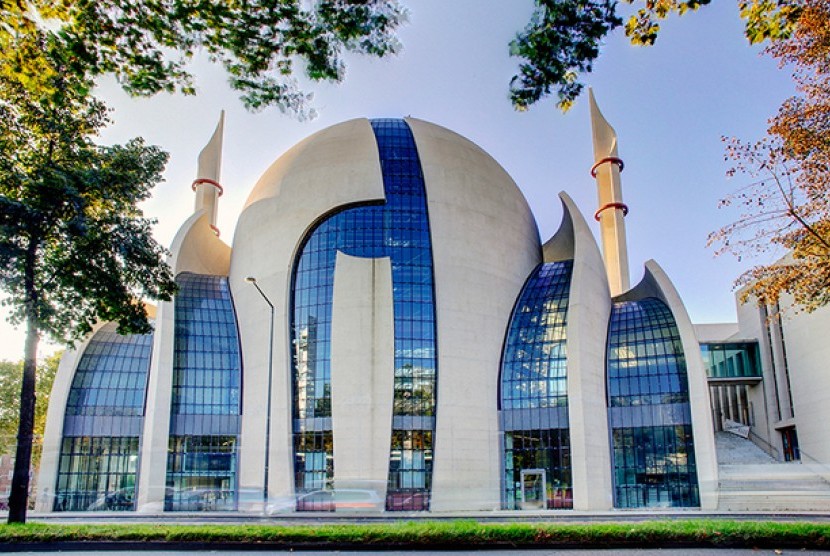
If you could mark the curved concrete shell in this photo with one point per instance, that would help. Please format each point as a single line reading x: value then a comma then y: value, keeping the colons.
x: 376, y: 282
x: 656, y: 285
x: 484, y: 243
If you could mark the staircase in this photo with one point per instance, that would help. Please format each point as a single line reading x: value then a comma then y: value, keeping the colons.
x: 750, y: 480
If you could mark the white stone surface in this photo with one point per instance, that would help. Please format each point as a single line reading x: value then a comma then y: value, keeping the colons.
x: 485, y: 244
x: 362, y: 372
x: 334, y: 168
x: 210, y: 167
x: 609, y: 190
x: 808, y: 353
x: 717, y: 332
x: 589, y: 309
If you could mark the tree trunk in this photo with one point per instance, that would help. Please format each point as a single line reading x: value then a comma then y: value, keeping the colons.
x: 19, y: 496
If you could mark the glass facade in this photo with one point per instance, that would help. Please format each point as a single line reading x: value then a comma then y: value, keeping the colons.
x: 399, y: 229
x: 102, y: 423
x: 731, y: 359
x: 206, y: 406
x: 650, y: 417
x: 97, y: 474
x: 534, y: 394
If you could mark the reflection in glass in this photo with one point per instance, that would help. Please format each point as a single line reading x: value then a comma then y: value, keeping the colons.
x: 731, y: 359
x: 650, y: 418
x: 207, y: 375
x: 201, y: 473
x: 97, y: 474
x: 99, y: 453
x: 399, y: 229
x: 534, y: 383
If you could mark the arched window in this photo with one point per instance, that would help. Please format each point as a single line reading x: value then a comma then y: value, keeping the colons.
x: 398, y: 229
x: 649, y: 414
x: 534, y: 394
x: 102, y: 424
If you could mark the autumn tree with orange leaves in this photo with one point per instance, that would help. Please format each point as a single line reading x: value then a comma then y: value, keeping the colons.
x: 786, y: 208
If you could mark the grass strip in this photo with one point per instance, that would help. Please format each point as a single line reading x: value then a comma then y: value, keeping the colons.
x: 434, y: 534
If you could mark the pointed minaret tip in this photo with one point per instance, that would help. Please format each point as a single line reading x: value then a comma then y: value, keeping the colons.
x: 604, y: 136
x: 606, y: 170
x: 206, y: 185
x: 210, y: 159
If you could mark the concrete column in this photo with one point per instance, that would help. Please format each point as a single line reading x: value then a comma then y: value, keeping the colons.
x: 589, y: 309
x: 362, y: 372
x: 155, y: 438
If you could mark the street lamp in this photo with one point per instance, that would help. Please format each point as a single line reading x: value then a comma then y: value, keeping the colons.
x: 252, y: 280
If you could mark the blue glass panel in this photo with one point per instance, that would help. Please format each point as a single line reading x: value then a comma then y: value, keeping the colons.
x: 207, y: 371
x: 97, y: 474
x: 206, y: 403
x: 534, y: 363
x: 111, y: 378
x: 533, y: 381
x: 731, y: 359
x: 648, y: 396
x: 99, y: 453
x: 399, y: 229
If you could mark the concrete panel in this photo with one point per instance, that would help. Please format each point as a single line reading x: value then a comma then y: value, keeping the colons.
x: 752, y: 324
x: 589, y: 309
x: 197, y: 249
x: 485, y: 244
x: 362, y: 372
x: 807, y: 355
x: 154, y: 443
x: 333, y: 168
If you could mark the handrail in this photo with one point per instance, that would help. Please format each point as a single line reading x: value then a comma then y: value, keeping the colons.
x: 770, y: 450
x: 821, y: 469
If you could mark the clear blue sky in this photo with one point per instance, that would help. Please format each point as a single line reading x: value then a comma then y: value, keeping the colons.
x: 669, y: 103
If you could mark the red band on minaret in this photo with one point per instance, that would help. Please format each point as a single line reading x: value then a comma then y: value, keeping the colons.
x: 211, y: 182
x: 613, y: 159
x: 620, y: 206
x: 215, y: 230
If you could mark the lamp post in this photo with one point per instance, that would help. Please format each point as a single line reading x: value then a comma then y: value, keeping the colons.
x: 252, y: 280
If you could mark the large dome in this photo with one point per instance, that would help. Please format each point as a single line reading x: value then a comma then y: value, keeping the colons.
x: 484, y: 243
x: 339, y: 165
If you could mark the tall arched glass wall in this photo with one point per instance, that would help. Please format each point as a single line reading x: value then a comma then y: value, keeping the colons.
x: 398, y: 229
x: 205, y: 416
x: 102, y: 423
x: 649, y: 414
x: 534, y: 394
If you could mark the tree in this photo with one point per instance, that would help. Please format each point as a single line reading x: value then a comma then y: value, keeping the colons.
x: 147, y: 44
x: 11, y: 374
x: 74, y: 247
x: 564, y: 38
x: 788, y: 206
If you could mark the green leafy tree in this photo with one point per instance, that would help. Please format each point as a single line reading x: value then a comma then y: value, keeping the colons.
x: 74, y: 247
x: 11, y: 374
x: 564, y: 38
x: 148, y: 44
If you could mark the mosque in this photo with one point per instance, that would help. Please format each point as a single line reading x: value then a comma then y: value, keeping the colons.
x: 388, y: 333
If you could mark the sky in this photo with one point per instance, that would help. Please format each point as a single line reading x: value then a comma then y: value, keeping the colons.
x: 670, y: 105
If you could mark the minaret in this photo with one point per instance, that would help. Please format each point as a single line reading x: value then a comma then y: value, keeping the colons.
x: 606, y: 169
x: 206, y: 185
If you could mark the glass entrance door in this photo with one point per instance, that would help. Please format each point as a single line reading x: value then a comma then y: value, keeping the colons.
x: 534, y: 487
